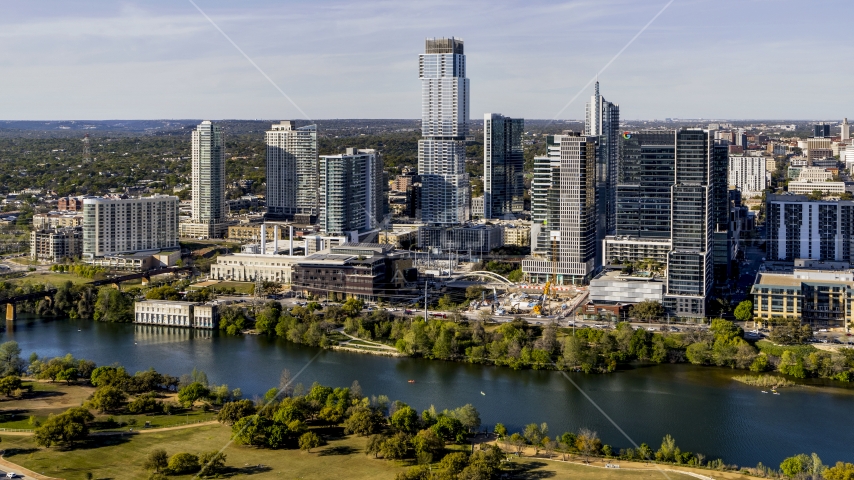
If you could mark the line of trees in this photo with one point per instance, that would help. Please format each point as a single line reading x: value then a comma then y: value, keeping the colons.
x: 518, y: 344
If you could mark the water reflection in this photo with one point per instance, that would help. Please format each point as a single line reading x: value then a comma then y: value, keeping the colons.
x: 703, y: 408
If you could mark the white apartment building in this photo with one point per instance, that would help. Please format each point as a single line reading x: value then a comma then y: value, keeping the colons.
x: 176, y: 314
x: 208, y: 174
x: 748, y: 174
x: 113, y: 226
x: 292, y: 177
x: 827, y: 188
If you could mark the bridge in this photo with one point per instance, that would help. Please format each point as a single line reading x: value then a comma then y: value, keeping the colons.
x: 494, y: 277
x: 48, y: 293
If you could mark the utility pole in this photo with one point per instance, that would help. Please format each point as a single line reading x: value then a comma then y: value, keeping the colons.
x: 425, y: 300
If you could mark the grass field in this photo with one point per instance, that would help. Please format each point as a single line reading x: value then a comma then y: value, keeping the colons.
x: 122, y: 458
x: 54, y: 278
x: 52, y: 398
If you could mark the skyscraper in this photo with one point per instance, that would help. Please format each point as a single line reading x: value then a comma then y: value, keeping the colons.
x: 292, y: 171
x: 503, y: 187
x: 602, y: 120
x: 563, y: 231
x: 208, y: 170
x: 671, y: 199
x: 689, y: 264
x: 444, y: 126
x: 821, y: 130
x: 845, y: 132
x: 351, y: 193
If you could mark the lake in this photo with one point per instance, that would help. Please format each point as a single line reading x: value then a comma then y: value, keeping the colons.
x: 702, y: 407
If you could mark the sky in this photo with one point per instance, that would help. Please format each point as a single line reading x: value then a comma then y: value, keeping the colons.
x: 723, y: 59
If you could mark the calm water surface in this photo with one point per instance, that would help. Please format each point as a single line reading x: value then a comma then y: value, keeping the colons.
x: 701, y: 407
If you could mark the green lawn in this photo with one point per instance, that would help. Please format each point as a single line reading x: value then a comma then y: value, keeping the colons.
x: 54, y: 278
x: 122, y: 457
x: 51, y: 398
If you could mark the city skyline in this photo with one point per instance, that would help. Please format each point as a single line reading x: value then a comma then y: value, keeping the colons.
x: 163, y: 51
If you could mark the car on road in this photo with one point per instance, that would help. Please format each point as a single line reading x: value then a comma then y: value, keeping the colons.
x: 12, y: 475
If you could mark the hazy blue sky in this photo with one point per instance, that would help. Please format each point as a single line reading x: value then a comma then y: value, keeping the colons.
x: 335, y: 59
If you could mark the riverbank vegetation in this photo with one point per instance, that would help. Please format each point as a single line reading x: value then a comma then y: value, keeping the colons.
x: 765, y: 381
x: 518, y: 344
x: 430, y: 444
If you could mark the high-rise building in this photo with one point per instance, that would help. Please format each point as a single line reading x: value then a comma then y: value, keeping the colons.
x: 672, y: 196
x: 643, y: 191
x: 800, y: 228
x: 748, y: 174
x: 603, y: 121
x: 563, y: 231
x: 845, y: 132
x: 351, y: 193
x: 115, y: 226
x: 503, y: 187
x: 208, y: 179
x: 821, y: 130
x: 292, y: 171
x: 689, y: 264
x: 444, y: 126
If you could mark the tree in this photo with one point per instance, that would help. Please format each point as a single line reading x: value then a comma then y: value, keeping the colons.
x: 375, y: 443
x: 500, y: 430
x: 517, y: 441
x: 109, y: 376
x: 587, y: 442
x: 794, y: 466
x: 182, y: 463
x: 212, y: 463
x: 668, y: 451
x: 65, y: 428
x: 9, y: 384
x: 426, y: 441
x: 840, y: 471
x: 744, y: 311
x: 395, y: 447
x: 452, y: 464
x: 145, y: 403
x: 405, y: 420
x: 308, y: 441
x: 11, y: 362
x: 647, y: 310
x: 468, y: 416
x: 107, y: 399
x: 231, y: 412
x: 192, y: 392
x: 449, y: 429
x: 113, y: 306
x: 157, y: 460
x: 534, y: 435
x: 164, y: 292
x: 362, y: 422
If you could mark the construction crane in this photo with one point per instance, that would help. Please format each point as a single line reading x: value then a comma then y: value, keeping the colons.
x: 541, y: 308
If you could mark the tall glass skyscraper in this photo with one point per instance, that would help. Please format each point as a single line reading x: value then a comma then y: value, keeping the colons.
x: 503, y: 159
x: 208, y: 160
x: 292, y: 171
x: 444, y: 126
x: 603, y: 121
